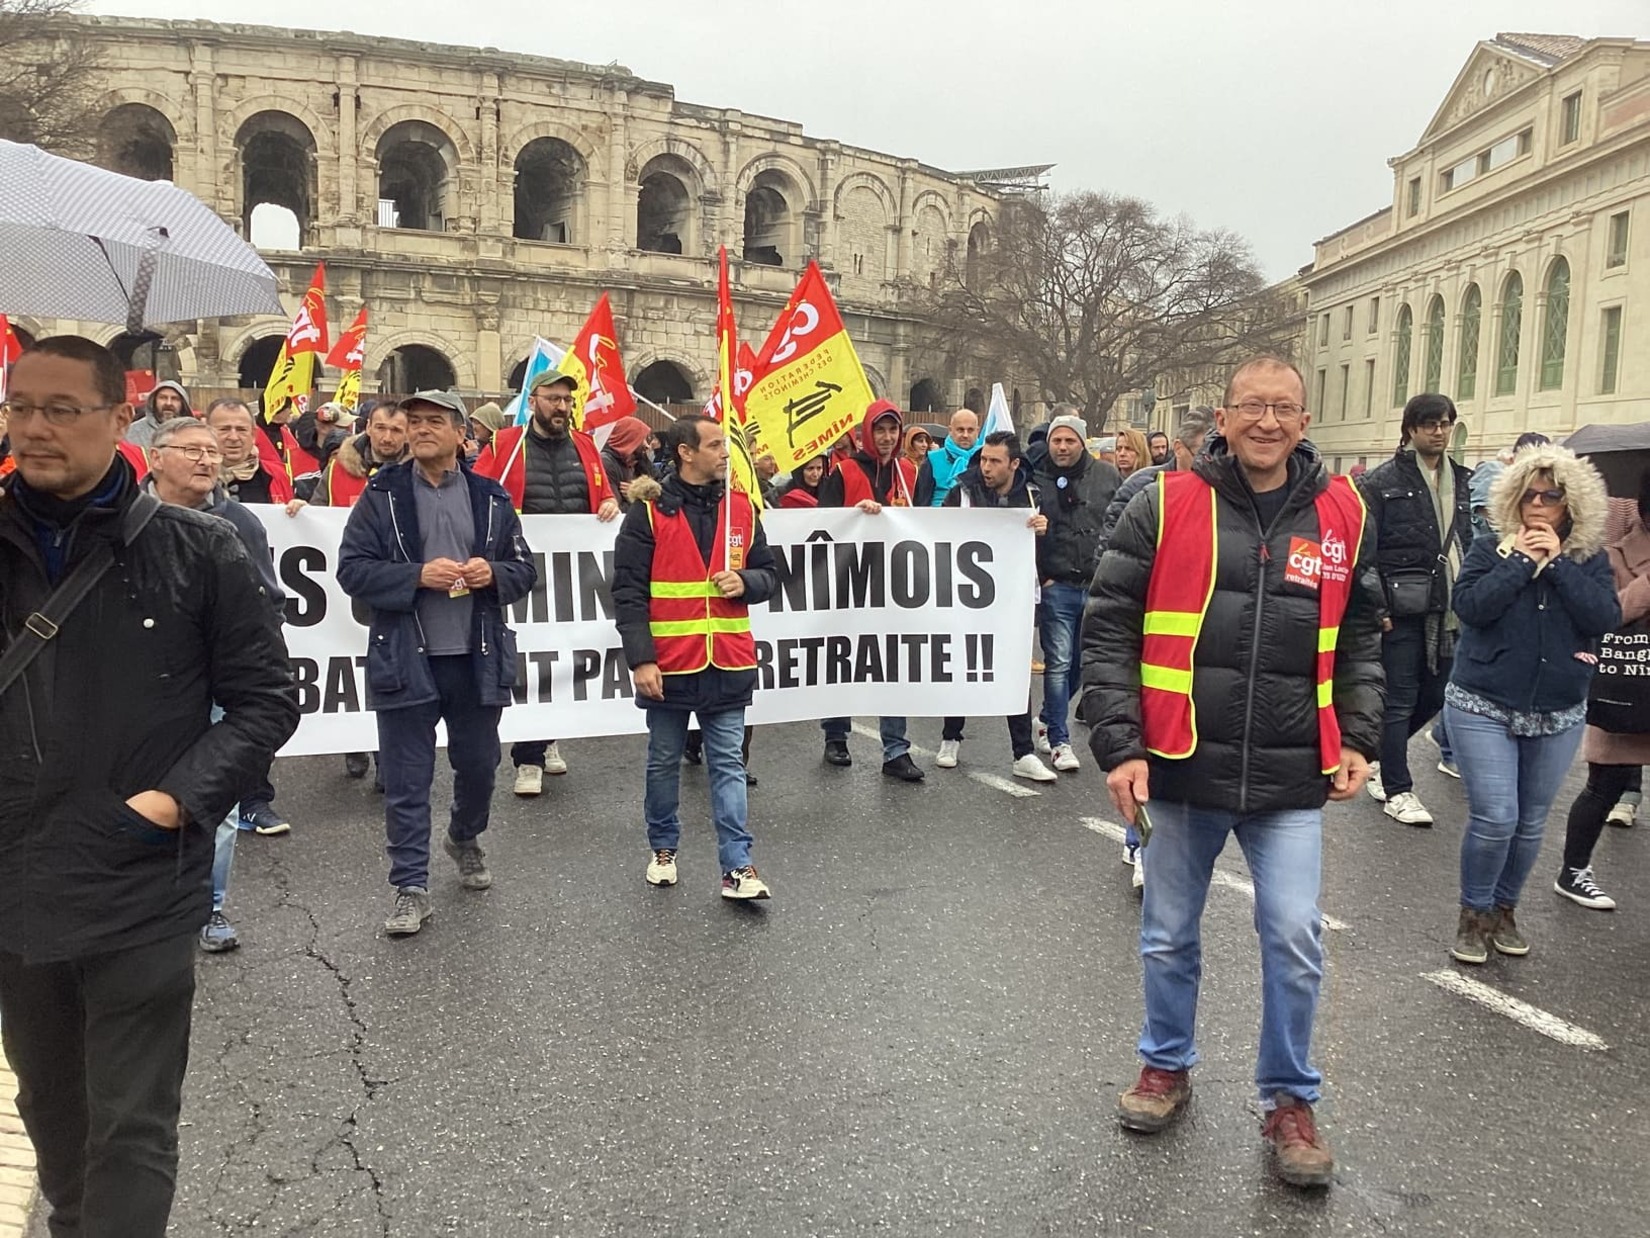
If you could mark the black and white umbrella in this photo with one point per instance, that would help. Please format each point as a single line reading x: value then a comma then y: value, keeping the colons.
x: 84, y: 243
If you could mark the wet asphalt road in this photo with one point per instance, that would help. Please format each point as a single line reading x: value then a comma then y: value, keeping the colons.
x: 924, y: 1032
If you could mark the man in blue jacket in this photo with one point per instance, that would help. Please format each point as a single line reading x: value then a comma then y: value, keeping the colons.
x: 436, y: 551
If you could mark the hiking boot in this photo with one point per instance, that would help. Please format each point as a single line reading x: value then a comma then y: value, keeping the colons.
x: 661, y: 869
x: 744, y: 883
x: 1471, y: 944
x: 412, y: 908
x: 1299, y: 1153
x: 836, y: 752
x: 1406, y: 807
x: 1039, y: 736
x: 1065, y: 760
x: 265, y: 821
x: 529, y: 780
x: 1577, y: 885
x: 1155, y: 1100
x: 947, y: 759
x: 1624, y: 814
x: 355, y: 765
x: 903, y: 768
x: 219, y: 936
x: 1504, y: 934
x: 1376, y: 791
x: 1030, y: 767
x: 553, y: 760
x: 471, y: 861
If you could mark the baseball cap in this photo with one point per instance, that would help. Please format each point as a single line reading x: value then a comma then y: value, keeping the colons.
x: 551, y: 377
x: 441, y: 399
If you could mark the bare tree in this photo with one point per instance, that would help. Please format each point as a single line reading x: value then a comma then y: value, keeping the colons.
x: 1093, y: 296
x: 49, y: 74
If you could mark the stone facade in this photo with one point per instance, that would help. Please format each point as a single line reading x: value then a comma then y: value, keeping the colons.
x: 1511, y: 270
x: 474, y: 198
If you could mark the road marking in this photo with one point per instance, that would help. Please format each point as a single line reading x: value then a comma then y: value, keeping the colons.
x: 1115, y: 832
x: 994, y: 781
x: 1532, y: 1017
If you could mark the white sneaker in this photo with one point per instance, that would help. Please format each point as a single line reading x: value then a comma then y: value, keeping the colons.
x: 661, y: 868
x: 1138, y: 880
x: 947, y: 758
x: 1065, y: 760
x: 1376, y: 791
x: 1623, y: 814
x: 1039, y: 736
x: 529, y: 780
x: 1130, y: 851
x: 553, y: 763
x: 1405, y: 807
x: 1030, y: 767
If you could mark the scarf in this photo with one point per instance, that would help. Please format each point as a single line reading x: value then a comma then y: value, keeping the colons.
x: 244, y: 471
x: 948, y: 461
x: 1440, y: 484
x: 1066, y: 479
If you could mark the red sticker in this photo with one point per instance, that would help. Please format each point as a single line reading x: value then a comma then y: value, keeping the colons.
x: 1305, y: 563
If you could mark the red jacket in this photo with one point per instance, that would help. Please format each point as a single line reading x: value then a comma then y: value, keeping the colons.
x: 503, y: 461
x: 862, y: 476
x: 136, y: 457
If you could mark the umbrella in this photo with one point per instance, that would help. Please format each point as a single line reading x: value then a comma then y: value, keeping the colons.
x: 79, y: 242
x: 1619, y: 453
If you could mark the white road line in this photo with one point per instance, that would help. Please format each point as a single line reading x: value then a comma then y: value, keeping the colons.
x: 999, y: 783
x: 1115, y: 832
x: 872, y: 733
x: 1532, y: 1017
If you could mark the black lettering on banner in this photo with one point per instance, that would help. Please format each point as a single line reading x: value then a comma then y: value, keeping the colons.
x: 871, y: 658
x: 942, y: 576
x: 306, y: 677
x: 859, y: 575
x: 819, y: 562
x: 595, y: 602
x: 908, y: 583
x: 343, y: 693
x: 535, y: 607
x: 971, y: 558
x: 587, y: 665
x: 615, y: 676
x: 561, y: 575
x: 868, y: 665
x: 821, y: 574
x: 543, y: 662
x: 306, y: 597
x: 838, y: 666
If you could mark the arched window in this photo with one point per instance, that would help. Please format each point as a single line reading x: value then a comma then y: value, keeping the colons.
x: 417, y: 178
x: 770, y: 220
x: 1472, y: 316
x: 925, y: 396
x: 136, y: 140
x: 1400, y: 357
x: 414, y: 367
x: 979, y: 241
x: 1512, y: 323
x: 549, y: 189
x: 1555, y: 326
x: 664, y: 206
x: 277, y: 153
x: 1433, y: 369
x: 663, y: 382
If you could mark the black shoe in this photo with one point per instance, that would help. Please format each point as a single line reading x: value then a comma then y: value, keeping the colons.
x: 693, y: 756
x: 836, y: 752
x: 355, y: 764
x: 903, y: 768
x: 750, y: 779
x: 263, y: 819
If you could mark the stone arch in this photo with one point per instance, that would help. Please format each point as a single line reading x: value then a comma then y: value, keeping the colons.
x: 320, y: 129
x: 927, y: 396
x: 933, y: 199
x: 136, y: 138
x: 667, y: 202
x: 871, y: 181
x: 461, y: 359
x: 688, y: 152
x: 418, y: 177
x: 979, y: 245
x: 277, y: 158
x: 550, y: 176
x: 699, y: 377
x: 773, y: 161
x: 230, y: 347
x: 879, y: 384
x: 664, y: 382
x: 388, y: 119
x: 416, y: 367
x: 529, y: 133
x: 775, y: 194
x: 864, y: 210
x: 257, y: 359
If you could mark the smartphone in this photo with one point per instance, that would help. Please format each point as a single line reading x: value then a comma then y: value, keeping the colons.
x: 1142, y: 824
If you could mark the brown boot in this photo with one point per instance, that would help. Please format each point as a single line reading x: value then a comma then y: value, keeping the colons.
x: 1472, y: 937
x: 1301, y: 1155
x: 1504, y: 934
x: 1155, y: 1100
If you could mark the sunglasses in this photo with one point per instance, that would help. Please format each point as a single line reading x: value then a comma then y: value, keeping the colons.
x: 1549, y: 498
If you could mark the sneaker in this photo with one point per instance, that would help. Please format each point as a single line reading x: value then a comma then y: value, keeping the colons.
x: 1449, y: 767
x: 219, y: 936
x: 694, y: 754
x: 1039, y: 736
x: 1156, y: 1099
x: 1030, y: 767
x: 661, y: 869
x: 1130, y: 850
x: 529, y: 780
x: 264, y: 820
x: 412, y: 908
x: 1577, y: 885
x: 355, y: 764
x: 1376, y: 791
x: 947, y: 758
x: 471, y: 861
x: 1504, y: 934
x: 1471, y: 945
x: 1405, y: 807
x: 1299, y: 1153
x: 1137, y: 880
x: 1624, y: 814
x: 836, y: 752
x: 553, y: 762
x: 1065, y: 760
x: 903, y: 768
x: 751, y: 780
x: 744, y: 883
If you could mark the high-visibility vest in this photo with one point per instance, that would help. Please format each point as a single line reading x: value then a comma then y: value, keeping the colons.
x: 1183, y: 581
x: 693, y: 625
x: 344, y: 488
x: 505, y: 461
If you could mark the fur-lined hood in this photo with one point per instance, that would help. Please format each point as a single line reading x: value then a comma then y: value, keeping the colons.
x: 643, y: 489
x: 1583, y: 491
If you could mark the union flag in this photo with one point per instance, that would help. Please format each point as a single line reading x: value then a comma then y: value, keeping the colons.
x: 603, y: 396
x: 293, y: 377
x: 731, y: 410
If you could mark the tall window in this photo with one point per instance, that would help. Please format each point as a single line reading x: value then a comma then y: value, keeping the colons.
x: 1414, y: 197
x: 1323, y: 332
x: 1434, y: 376
x: 1512, y: 324
x: 1323, y: 377
x: 1472, y: 316
x: 1555, y: 326
x: 1369, y: 389
x: 1616, y: 254
x: 1610, y: 329
x: 1400, y: 357
x: 1570, y: 124
x: 1346, y: 388
x: 1374, y: 314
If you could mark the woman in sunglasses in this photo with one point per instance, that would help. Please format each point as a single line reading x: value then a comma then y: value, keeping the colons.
x: 1533, y: 603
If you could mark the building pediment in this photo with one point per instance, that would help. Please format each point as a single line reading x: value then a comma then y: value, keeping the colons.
x: 1491, y: 73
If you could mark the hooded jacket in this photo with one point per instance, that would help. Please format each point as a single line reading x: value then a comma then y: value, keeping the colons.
x: 1530, y: 633
x: 625, y: 456
x: 864, y: 476
x: 347, y: 472
x: 142, y: 430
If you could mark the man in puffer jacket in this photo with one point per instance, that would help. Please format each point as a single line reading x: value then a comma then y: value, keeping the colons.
x: 1213, y: 710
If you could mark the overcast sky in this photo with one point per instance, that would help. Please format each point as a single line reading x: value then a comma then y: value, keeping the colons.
x: 1271, y: 117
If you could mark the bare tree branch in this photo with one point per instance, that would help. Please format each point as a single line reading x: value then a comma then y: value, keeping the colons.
x: 49, y: 77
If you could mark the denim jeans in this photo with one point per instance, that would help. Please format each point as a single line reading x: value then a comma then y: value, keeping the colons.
x: 1059, y: 627
x: 894, y: 743
x: 1284, y: 849
x: 724, y: 737
x: 1440, y: 736
x: 1510, y: 783
x: 223, y: 858
x: 1414, y: 695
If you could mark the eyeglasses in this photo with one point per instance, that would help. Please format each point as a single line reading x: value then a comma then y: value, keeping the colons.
x: 197, y: 454
x: 1284, y: 410
x: 1548, y: 498
x: 55, y: 414
x: 1436, y: 423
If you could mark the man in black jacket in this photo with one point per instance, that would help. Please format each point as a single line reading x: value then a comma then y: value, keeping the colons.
x: 113, y: 777
x: 1208, y: 699
x: 689, y: 562
x: 1420, y: 505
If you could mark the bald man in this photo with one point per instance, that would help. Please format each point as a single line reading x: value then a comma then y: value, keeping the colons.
x: 946, y: 463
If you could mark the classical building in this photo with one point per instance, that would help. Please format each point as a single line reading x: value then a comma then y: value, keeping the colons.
x: 476, y: 198
x: 1511, y: 270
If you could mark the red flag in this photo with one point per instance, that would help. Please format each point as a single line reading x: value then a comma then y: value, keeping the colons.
x: 603, y: 396
x: 744, y: 374
x: 10, y: 350
x: 346, y: 354
x: 308, y: 332
x: 741, y: 468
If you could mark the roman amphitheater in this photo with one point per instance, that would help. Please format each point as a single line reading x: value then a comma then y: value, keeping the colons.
x: 473, y: 199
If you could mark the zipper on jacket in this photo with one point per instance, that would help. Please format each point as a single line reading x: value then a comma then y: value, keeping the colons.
x: 1265, y: 558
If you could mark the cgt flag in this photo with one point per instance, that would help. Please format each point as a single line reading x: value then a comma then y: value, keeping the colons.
x: 602, y: 396
x: 11, y: 348
x: 346, y: 355
x: 293, y: 377
x: 731, y: 410
x: 809, y: 388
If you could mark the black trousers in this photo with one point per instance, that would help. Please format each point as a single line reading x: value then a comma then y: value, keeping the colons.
x: 1605, y: 783
x: 100, y: 1046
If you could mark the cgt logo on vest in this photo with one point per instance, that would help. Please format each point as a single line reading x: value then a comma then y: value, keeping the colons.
x: 1311, y: 563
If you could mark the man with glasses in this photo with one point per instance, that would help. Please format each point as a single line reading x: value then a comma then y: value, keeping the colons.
x: 1231, y: 670
x: 1420, y: 505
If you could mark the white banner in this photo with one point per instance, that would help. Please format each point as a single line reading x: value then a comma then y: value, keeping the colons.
x: 919, y: 613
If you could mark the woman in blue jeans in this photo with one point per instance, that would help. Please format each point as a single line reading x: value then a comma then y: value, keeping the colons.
x: 1533, y: 602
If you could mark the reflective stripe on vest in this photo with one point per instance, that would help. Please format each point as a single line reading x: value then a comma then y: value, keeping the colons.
x: 693, y: 625
x: 1183, y: 581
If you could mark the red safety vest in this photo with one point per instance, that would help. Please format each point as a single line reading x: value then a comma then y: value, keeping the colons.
x: 504, y: 460
x: 343, y: 486
x: 1183, y: 581
x: 856, y: 485
x: 693, y: 625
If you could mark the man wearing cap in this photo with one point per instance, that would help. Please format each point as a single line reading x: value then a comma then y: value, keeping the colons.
x: 549, y: 469
x: 436, y: 552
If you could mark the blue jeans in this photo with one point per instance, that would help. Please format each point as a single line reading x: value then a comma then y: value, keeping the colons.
x: 1284, y: 850
x: 724, y: 738
x: 1414, y: 695
x: 894, y: 743
x: 1440, y: 735
x: 1510, y: 783
x: 1059, y: 628
x: 223, y: 858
